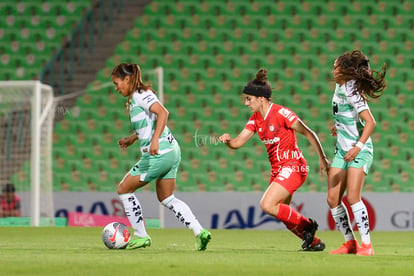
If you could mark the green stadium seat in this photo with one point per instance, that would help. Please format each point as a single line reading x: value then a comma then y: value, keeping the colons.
x: 186, y: 184
x: 205, y: 72
x: 407, y: 188
x: 26, y: 30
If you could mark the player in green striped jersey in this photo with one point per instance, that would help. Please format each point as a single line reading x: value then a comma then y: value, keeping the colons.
x: 160, y: 157
x: 354, y: 123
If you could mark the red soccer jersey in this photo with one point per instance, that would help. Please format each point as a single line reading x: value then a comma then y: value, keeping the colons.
x: 9, y: 206
x: 275, y: 132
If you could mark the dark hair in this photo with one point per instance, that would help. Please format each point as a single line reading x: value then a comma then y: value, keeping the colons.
x: 260, y: 86
x: 9, y: 188
x: 355, y: 66
x: 134, y: 72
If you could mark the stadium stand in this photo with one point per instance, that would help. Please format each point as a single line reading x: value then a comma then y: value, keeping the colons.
x: 209, y: 50
x: 31, y: 31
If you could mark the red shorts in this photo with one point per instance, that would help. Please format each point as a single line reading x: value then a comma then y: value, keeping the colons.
x: 290, y: 177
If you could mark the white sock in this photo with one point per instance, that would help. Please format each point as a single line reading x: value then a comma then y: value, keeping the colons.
x: 361, y: 219
x: 133, y: 211
x: 341, y: 218
x: 183, y: 213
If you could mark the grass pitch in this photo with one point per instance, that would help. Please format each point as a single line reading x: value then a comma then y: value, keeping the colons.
x: 80, y: 251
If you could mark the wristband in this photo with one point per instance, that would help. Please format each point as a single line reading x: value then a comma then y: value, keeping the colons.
x: 359, y: 144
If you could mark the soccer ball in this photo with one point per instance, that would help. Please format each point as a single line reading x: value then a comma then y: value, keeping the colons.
x: 115, y: 235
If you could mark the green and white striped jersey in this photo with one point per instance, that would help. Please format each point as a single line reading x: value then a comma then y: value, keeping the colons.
x: 346, y: 108
x: 143, y: 122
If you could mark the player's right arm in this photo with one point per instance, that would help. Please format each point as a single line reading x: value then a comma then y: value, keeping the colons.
x: 237, y: 142
x: 127, y: 141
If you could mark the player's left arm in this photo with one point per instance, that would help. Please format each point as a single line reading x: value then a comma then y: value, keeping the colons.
x: 303, y: 129
x: 162, y: 117
x: 369, y: 127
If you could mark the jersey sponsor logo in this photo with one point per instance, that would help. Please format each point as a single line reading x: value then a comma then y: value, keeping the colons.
x: 149, y: 98
x: 357, y: 98
x: 360, y: 105
x: 271, y: 141
x: 287, y: 114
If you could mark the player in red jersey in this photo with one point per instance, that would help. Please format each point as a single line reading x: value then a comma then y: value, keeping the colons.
x: 276, y: 126
x: 9, y: 202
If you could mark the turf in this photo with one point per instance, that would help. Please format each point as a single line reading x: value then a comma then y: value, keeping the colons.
x: 80, y: 251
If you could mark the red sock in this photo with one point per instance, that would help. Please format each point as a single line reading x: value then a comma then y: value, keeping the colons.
x: 293, y: 220
x: 293, y: 229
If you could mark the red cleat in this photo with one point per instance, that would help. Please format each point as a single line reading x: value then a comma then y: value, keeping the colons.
x: 365, y: 250
x: 350, y: 247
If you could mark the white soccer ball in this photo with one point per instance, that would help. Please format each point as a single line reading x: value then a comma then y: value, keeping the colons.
x: 115, y: 235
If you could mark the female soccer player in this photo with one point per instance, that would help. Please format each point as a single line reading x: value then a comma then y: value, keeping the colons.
x: 354, y: 123
x: 276, y: 126
x: 160, y: 157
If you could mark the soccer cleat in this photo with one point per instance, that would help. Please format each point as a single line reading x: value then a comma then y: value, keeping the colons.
x: 309, y: 234
x: 350, y: 247
x: 202, y: 240
x: 137, y: 242
x: 317, y: 245
x: 365, y: 250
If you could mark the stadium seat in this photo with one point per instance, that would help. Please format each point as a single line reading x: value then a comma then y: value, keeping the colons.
x: 209, y: 51
x: 24, y: 29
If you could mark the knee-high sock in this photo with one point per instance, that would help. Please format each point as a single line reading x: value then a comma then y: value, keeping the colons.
x: 293, y: 220
x: 183, y: 213
x: 361, y: 219
x: 293, y: 228
x: 341, y: 218
x: 133, y: 211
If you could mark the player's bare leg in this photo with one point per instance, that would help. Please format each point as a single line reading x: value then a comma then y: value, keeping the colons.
x: 337, y: 179
x: 355, y: 182
x: 275, y: 201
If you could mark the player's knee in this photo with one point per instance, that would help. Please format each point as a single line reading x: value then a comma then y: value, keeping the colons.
x: 268, y: 207
x: 120, y: 189
x: 333, y: 198
x: 353, y: 199
x: 123, y: 188
x: 332, y: 202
